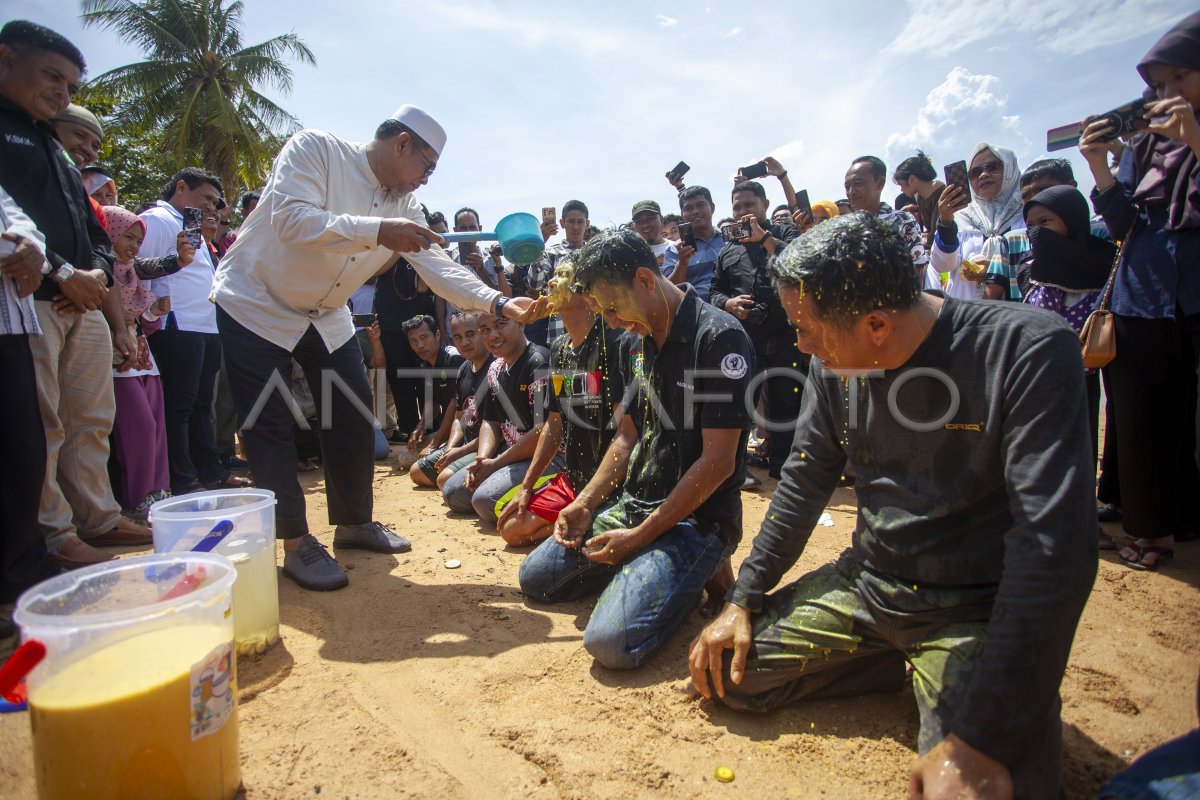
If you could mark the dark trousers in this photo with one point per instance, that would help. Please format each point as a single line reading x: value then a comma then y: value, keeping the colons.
x: 1153, y: 382
x: 22, y: 470
x: 785, y: 391
x: 407, y: 392
x: 259, y: 379
x: 189, y: 363
x: 1092, y: 384
x: 225, y: 419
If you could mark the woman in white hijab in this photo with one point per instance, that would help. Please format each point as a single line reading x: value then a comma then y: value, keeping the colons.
x: 969, y: 240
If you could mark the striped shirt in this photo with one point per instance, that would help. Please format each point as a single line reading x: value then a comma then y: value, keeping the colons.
x: 16, y: 313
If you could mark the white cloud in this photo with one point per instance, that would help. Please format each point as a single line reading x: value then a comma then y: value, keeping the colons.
x: 790, y: 153
x: 732, y: 32
x: 961, y: 111
x: 665, y: 21
x: 938, y: 28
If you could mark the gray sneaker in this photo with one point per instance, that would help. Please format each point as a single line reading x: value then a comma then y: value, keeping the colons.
x: 311, y: 566
x: 373, y: 536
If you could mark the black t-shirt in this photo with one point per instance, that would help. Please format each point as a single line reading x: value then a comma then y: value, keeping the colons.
x: 517, y: 395
x: 700, y: 379
x: 442, y: 378
x: 397, y: 299
x: 585, y: 384
x: 470, y: 390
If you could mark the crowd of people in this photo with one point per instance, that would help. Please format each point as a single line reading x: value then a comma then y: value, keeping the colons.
x: 602, y: 404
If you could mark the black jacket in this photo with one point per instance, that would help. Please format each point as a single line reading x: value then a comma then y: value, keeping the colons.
x: 39, y: 175
x: 742, y: 269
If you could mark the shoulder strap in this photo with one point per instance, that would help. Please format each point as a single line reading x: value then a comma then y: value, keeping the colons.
x: 1112, y: 275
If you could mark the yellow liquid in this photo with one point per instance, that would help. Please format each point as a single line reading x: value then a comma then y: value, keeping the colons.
x: 117, y: 723
x: 255, y: 598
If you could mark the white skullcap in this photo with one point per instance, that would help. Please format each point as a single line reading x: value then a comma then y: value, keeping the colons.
x: 422, y: 125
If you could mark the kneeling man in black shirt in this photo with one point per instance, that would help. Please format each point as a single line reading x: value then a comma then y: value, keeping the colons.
x: 679, y: 453
x: 976, y: 542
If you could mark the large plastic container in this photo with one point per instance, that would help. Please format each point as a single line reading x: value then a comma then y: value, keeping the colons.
x: 181, y: 522
x: 137, y: 694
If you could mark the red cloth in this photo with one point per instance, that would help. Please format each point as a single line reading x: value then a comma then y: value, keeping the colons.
x: 552, y: 497
x: 99, y: 212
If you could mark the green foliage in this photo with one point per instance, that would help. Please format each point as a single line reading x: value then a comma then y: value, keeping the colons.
x: 195, y: 98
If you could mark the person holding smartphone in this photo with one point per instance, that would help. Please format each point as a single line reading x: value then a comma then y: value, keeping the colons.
x: 1151, y: 204
x: 693, y: 258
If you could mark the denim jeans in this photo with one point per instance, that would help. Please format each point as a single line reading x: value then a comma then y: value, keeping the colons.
x: 482, y: 500
x: 643, y: 600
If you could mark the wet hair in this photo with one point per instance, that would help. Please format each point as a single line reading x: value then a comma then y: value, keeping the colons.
x: 695, y: 191
x: 193, y: 177
x: 466, y: 210
x: 849, y: 266
x: 248, y: 198
x: 613, y: 257
x: 574, y: 205
x: 919, y: 166
x: 878, y: 168
x: 417, y: 322
x: 672, y: 218
x: 391, y: 128
x: 21, y: 33
x: 754, y: 187
x: 1056, y: 169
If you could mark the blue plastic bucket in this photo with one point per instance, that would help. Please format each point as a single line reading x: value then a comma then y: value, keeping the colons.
x: 520, y: 235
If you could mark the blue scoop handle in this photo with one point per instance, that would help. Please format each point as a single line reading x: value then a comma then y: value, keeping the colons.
x: 205, y: 545
x: 471, y: 236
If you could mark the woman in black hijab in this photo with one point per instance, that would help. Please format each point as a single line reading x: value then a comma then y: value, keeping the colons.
x: 1068, y: 271
x: 1154, y: 203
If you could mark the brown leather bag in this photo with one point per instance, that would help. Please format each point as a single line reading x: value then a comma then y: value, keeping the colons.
x: 1098, y: 339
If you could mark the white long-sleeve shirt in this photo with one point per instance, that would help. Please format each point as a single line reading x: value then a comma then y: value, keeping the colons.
x: 16, y: 313
x: 190, y: 287
x: 313, y: 241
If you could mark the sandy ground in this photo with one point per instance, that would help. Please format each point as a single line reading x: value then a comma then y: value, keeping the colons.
x: 420, y: 681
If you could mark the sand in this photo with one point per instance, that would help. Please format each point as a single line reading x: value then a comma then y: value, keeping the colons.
x: 419, y: 681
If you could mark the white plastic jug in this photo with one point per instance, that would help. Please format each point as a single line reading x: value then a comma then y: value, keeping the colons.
x: 137, y: 693
x: 181, y: 523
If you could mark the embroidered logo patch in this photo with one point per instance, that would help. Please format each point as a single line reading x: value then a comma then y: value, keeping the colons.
x: 734, y: 366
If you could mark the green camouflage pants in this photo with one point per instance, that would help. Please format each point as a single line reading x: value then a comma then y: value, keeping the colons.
x: 843, y: 630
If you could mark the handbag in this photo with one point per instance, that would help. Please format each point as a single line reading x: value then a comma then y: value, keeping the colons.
x: 1098, y: 338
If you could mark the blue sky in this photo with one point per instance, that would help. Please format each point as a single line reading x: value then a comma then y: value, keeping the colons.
x: 546, y: 102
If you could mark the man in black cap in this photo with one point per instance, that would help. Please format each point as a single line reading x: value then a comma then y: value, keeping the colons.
x: 648, y: 223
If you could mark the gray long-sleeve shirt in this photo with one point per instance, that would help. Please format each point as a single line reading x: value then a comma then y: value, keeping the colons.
x: 974, y: 471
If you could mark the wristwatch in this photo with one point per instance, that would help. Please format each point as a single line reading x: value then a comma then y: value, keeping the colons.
x: 501, y: 302
x: 63, y: 274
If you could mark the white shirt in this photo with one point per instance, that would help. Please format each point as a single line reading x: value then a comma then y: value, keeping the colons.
x: 190, y: 287
x: 17, y: 316
x: 313, y: 241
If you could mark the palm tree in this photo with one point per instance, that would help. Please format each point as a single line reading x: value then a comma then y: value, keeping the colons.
x: 198, y: 84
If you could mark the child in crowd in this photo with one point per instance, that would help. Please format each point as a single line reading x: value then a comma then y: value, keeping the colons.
x: 139, y: 435
x: 1069, y: 269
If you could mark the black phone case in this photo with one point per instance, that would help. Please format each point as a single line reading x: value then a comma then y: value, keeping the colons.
x: 803, y: 203
x: 680, y: 169
x: 755, y: 170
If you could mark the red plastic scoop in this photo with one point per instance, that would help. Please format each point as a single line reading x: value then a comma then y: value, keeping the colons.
x: 20, y: 664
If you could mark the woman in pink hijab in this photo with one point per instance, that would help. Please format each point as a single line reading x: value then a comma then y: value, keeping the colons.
x: 139, y: 435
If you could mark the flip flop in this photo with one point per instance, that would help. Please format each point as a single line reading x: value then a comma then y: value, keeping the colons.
x: 1163, y: 553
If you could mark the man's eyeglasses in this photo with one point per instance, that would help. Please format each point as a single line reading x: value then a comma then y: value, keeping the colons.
x: 993, y: 167
x: 430, y: 165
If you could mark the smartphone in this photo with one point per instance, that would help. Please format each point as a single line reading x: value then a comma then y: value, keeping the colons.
x: 680, y: 169
x: 549, y: 214
x: 363, y: 320
x: 685, y: 234
x: 1122, y: 120
x: 802, y: 202
x: 956, y: 175
x: 465, y: 248
x: 192, y: 218
x: 735, y: 231
x: 754, y: 170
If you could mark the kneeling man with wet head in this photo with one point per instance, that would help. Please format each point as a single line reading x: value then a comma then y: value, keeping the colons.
x: 976, y: 541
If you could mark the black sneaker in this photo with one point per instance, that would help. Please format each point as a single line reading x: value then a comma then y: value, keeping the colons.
x: 1108, y: 513
x: 311, y: 566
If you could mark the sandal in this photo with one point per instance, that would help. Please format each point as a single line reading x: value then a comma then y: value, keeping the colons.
x: 1141, y: 551
x: 1106, y: 542
x: 230, y: 481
